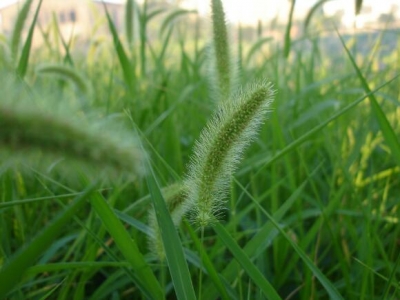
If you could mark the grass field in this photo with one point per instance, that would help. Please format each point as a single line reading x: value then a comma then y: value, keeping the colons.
x: 197, y: 164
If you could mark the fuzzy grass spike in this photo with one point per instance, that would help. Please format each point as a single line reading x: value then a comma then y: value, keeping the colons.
x: 220, y: 147
x: 221, y: 48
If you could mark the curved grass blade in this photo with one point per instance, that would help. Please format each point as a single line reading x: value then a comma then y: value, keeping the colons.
x: 246, y: 263
x: 391, y: 139
x: 24, y: 59
x: 128, y: 248
x: 11, y: 272
x: 172, y: 16
x: 66, y: 72
x: 257, y: 45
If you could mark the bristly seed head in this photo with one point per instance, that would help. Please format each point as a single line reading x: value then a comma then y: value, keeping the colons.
x: 220, y: 147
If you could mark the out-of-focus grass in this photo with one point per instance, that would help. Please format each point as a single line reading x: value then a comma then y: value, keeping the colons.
x: 324, y: 168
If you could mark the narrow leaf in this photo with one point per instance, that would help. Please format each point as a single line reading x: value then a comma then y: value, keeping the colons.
x: 173, y: 248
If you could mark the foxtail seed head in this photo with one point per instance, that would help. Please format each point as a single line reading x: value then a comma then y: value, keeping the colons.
x: 220, y: 147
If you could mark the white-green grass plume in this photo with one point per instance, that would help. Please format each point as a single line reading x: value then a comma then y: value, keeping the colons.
x: 220, y: 147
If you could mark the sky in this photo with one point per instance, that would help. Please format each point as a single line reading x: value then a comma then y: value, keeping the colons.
x: 250, y: 11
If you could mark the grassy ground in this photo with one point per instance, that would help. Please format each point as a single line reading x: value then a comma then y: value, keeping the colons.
x: 312, y: 209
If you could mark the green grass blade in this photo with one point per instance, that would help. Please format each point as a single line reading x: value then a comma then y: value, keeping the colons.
x: 11, y: 272
x: 246, y: 263
x: 127, y: 69
x: 18, y: 28
x: 24, y: 59
x: 173, y: 248
x: 128, y: 248
x: 390, y: 136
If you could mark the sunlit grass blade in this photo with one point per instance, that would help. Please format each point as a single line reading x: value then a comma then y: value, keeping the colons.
x: 262, y: 283
x: 173, y: 248
x: 390, y: 136
x: 128, y: 248
x: 24, y: 59
x: 12, y: 271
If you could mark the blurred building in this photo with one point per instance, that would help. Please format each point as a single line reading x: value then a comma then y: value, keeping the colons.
x: 78, y: 17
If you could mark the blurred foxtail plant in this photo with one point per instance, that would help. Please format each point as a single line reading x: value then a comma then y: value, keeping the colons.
x: 35, y: 131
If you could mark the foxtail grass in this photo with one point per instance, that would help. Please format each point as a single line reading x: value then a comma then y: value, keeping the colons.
x: 220, y: 148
